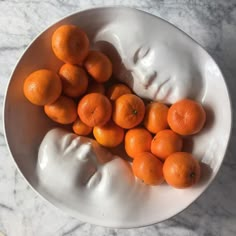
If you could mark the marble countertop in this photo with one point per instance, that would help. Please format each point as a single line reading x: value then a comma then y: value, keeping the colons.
x: 212, y: 24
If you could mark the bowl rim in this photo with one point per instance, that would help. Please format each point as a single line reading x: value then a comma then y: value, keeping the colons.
x: 131, y: 8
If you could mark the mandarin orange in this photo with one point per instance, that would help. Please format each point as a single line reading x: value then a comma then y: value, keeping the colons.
x: 62, y: 111
x: 81, y: 128
x: 42, y: 87
x: 148, y: 168
x: 99, y: 66
x: 181, y: 170
x: 155, y: 118
x: 165, y: 143
x: 74, y: 80
x: 109, y: 135
x: 117, y: 90
x: 186, y: 117
x: 129, y: 110
x: 137, y: 140
x: 94, y: 109
x: 70, y: 44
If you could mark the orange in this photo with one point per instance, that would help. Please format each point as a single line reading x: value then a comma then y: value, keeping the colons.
x: 98, y: 65
x: 181, y: 170
x: 186, y: 117
x: 63, y: 110
x: 109, y: 135
x: 137, y: 140
x: 148, y: 168
x: 95, y: 87
x: 42, y: 87
x: 94, y: 109
x: 165, y: 143
x: 81, y: 128
x: 128, y: 111
x: 156, y: 117
x: 117, y: 90
x: 70, y: 44
x: 74, y: 80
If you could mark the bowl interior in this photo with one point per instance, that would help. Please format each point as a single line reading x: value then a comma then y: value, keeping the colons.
x: 26, y: 124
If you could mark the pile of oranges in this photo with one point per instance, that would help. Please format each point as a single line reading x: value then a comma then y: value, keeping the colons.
x: 151, y: 132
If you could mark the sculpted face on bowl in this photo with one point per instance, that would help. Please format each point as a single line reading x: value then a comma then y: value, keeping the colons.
x: 156, y: 66
x: 78, y: 163
x: 78, y: 168
x: 159, y: 62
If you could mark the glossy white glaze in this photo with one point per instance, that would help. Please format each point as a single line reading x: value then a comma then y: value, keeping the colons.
x: 78, y: 168
x: 156, y: 64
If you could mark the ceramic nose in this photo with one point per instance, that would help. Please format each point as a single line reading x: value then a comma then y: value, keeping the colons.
x: 143, y: 75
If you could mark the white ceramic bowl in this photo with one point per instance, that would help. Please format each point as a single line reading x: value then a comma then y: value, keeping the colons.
x: 25, y: 124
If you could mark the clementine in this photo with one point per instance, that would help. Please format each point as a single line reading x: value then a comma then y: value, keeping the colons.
x: 62, y: 111
x: 181, y: 170
x: 109, y: 135
x: 74, y: 80
x: 117, y: 90
x: 42, y: 87
x: 137, y: 140
x: 165, y: 143
x: 81, y: 128
x: 98, y: 65
x: 94, y: 109
x: 129, y: 111
x: 70, y: 44
x: 148, y: 168
x: 156, y: 117
x: 186, y: 117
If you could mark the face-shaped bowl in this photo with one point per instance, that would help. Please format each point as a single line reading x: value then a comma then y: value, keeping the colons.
x: 26, y: 124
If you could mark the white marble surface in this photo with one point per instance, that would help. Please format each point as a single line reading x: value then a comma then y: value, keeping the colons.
x: 212, y: 24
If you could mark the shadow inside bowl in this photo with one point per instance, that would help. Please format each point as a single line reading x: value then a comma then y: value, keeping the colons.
x: 206, y: 174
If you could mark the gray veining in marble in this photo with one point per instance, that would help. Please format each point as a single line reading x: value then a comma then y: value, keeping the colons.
x: 213, y: 25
